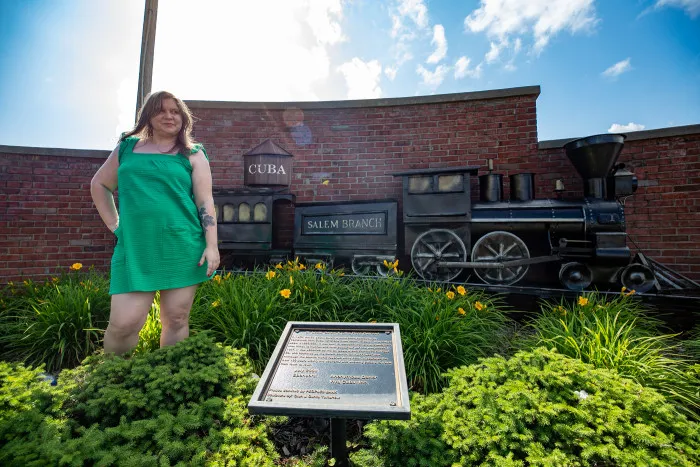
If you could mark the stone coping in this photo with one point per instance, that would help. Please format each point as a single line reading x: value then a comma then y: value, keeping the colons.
x: 632, y: 135
x: 35, y: 151
x: 386, y: 102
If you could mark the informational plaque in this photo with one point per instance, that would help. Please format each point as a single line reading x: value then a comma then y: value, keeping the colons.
x: 344, y: 370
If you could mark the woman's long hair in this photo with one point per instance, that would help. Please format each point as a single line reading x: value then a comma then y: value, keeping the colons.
x: 150, y: 109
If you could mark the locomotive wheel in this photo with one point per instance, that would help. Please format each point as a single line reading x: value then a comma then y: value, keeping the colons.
x: 500, y: 246
x: 638, y: 277
x: 575, y: 276
x: 433, y: 246
x: 358, y: 268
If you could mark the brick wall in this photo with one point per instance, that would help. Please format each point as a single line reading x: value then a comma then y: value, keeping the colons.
x: 48, y: 221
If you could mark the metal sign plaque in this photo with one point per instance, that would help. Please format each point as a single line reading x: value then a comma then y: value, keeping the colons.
x: 348, y: 370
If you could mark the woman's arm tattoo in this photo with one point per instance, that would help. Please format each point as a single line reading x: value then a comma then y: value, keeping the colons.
x: 205, y: 219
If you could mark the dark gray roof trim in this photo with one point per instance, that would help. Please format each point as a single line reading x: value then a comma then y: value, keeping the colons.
x: 87, y: 153
x: 632, y: 135
x: 393, y: 101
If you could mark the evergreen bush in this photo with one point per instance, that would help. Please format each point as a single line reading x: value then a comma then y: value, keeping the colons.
x: 537, y: 408
x: 181, y: 405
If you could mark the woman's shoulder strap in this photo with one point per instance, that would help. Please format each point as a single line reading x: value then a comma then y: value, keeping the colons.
x: 126, y: 144
x: 199, y: 147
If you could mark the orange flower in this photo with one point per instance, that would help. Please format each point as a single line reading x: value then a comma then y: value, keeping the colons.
x: 76, y: 266
x: 583, y: 301
x: 285, y: 293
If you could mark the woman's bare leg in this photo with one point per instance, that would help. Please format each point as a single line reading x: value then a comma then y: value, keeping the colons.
x: 127, y: 316
x: 175, y: 306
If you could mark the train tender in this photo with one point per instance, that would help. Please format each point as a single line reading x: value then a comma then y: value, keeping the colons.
x: 446, y: 237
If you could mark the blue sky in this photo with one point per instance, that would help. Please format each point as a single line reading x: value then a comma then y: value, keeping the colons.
x: 69, y: 68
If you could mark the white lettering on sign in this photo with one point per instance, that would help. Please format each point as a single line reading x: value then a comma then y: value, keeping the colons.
x: 327, y: 224
x: 345, y: 224
x: 266, y: 169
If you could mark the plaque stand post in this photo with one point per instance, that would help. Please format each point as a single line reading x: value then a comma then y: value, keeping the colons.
x: 339, y: 442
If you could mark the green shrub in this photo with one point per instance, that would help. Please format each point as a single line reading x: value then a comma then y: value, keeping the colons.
x: 149, y: 336
x: 58, y: 323
x: 536, y: 408
x: 619, y: 335
x: 184, y: 404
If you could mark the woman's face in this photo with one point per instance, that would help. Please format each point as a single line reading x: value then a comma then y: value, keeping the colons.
x: 168, y: 121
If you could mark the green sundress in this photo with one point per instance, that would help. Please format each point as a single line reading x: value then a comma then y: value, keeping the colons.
x: 160, y: 238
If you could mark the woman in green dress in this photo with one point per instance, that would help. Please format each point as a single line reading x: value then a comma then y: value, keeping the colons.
x: 166, y: 224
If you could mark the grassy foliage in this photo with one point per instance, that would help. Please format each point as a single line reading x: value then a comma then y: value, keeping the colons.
x: 536, y: 408
x: 440, y: 329
x: 57, y: 323
x: 619, y: 335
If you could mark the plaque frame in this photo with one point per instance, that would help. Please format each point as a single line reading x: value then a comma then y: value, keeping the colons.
x: 316, y: 407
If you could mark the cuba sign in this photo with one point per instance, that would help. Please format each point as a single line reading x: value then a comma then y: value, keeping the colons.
x: 267, y: 169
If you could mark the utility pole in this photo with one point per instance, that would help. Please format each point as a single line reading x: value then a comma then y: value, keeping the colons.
x: 148, y: 41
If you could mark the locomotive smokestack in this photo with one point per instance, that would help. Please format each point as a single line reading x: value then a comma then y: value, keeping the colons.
x: 594, y: 158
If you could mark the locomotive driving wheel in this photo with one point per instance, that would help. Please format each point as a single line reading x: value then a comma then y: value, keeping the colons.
x: 496, y: 247
x: 433, y: 246
x: 359, y: 267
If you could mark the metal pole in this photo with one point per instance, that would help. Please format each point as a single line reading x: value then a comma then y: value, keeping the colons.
x: 148, y: 41
x: 338, y: 442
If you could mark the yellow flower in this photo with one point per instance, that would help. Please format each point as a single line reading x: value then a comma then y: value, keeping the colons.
x: 278, y: 266
x: 54, y: 279
x: 291, y: 280
x: 216, y: 303
x: 302, y: 267
x: 461, y: 290
x: 319, y: 266
x: 217, y: 279
x: 228, y: 276
x: 270, y: 274
x: 583, y: 301
x: 326, y: 182
x: 479, y: 306
x: 450, y: 295
x: 461, y: 311
x: 285, y: 293
x: 76, y: 266
x: 373, y: 321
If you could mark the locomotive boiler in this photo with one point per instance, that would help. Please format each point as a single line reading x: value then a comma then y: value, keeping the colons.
x: 443, y: 235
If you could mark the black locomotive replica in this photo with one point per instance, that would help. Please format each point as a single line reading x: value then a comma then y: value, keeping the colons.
x: 443, y: 235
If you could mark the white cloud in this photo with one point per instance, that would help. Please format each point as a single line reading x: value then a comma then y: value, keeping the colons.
x: 502, y: 20
x: 433, y: 79
x: 462, y: 69
x: 362, y: 78
x: 409, y: 21
x: 416, y: 10
x: 390, y: 72
x: 691, y: 7
x: 495, y: 50
x: 320, y: 19
x: 618, y: 68
x: 440, y: 44
x: 277, y: 50
x: 631, y: 126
